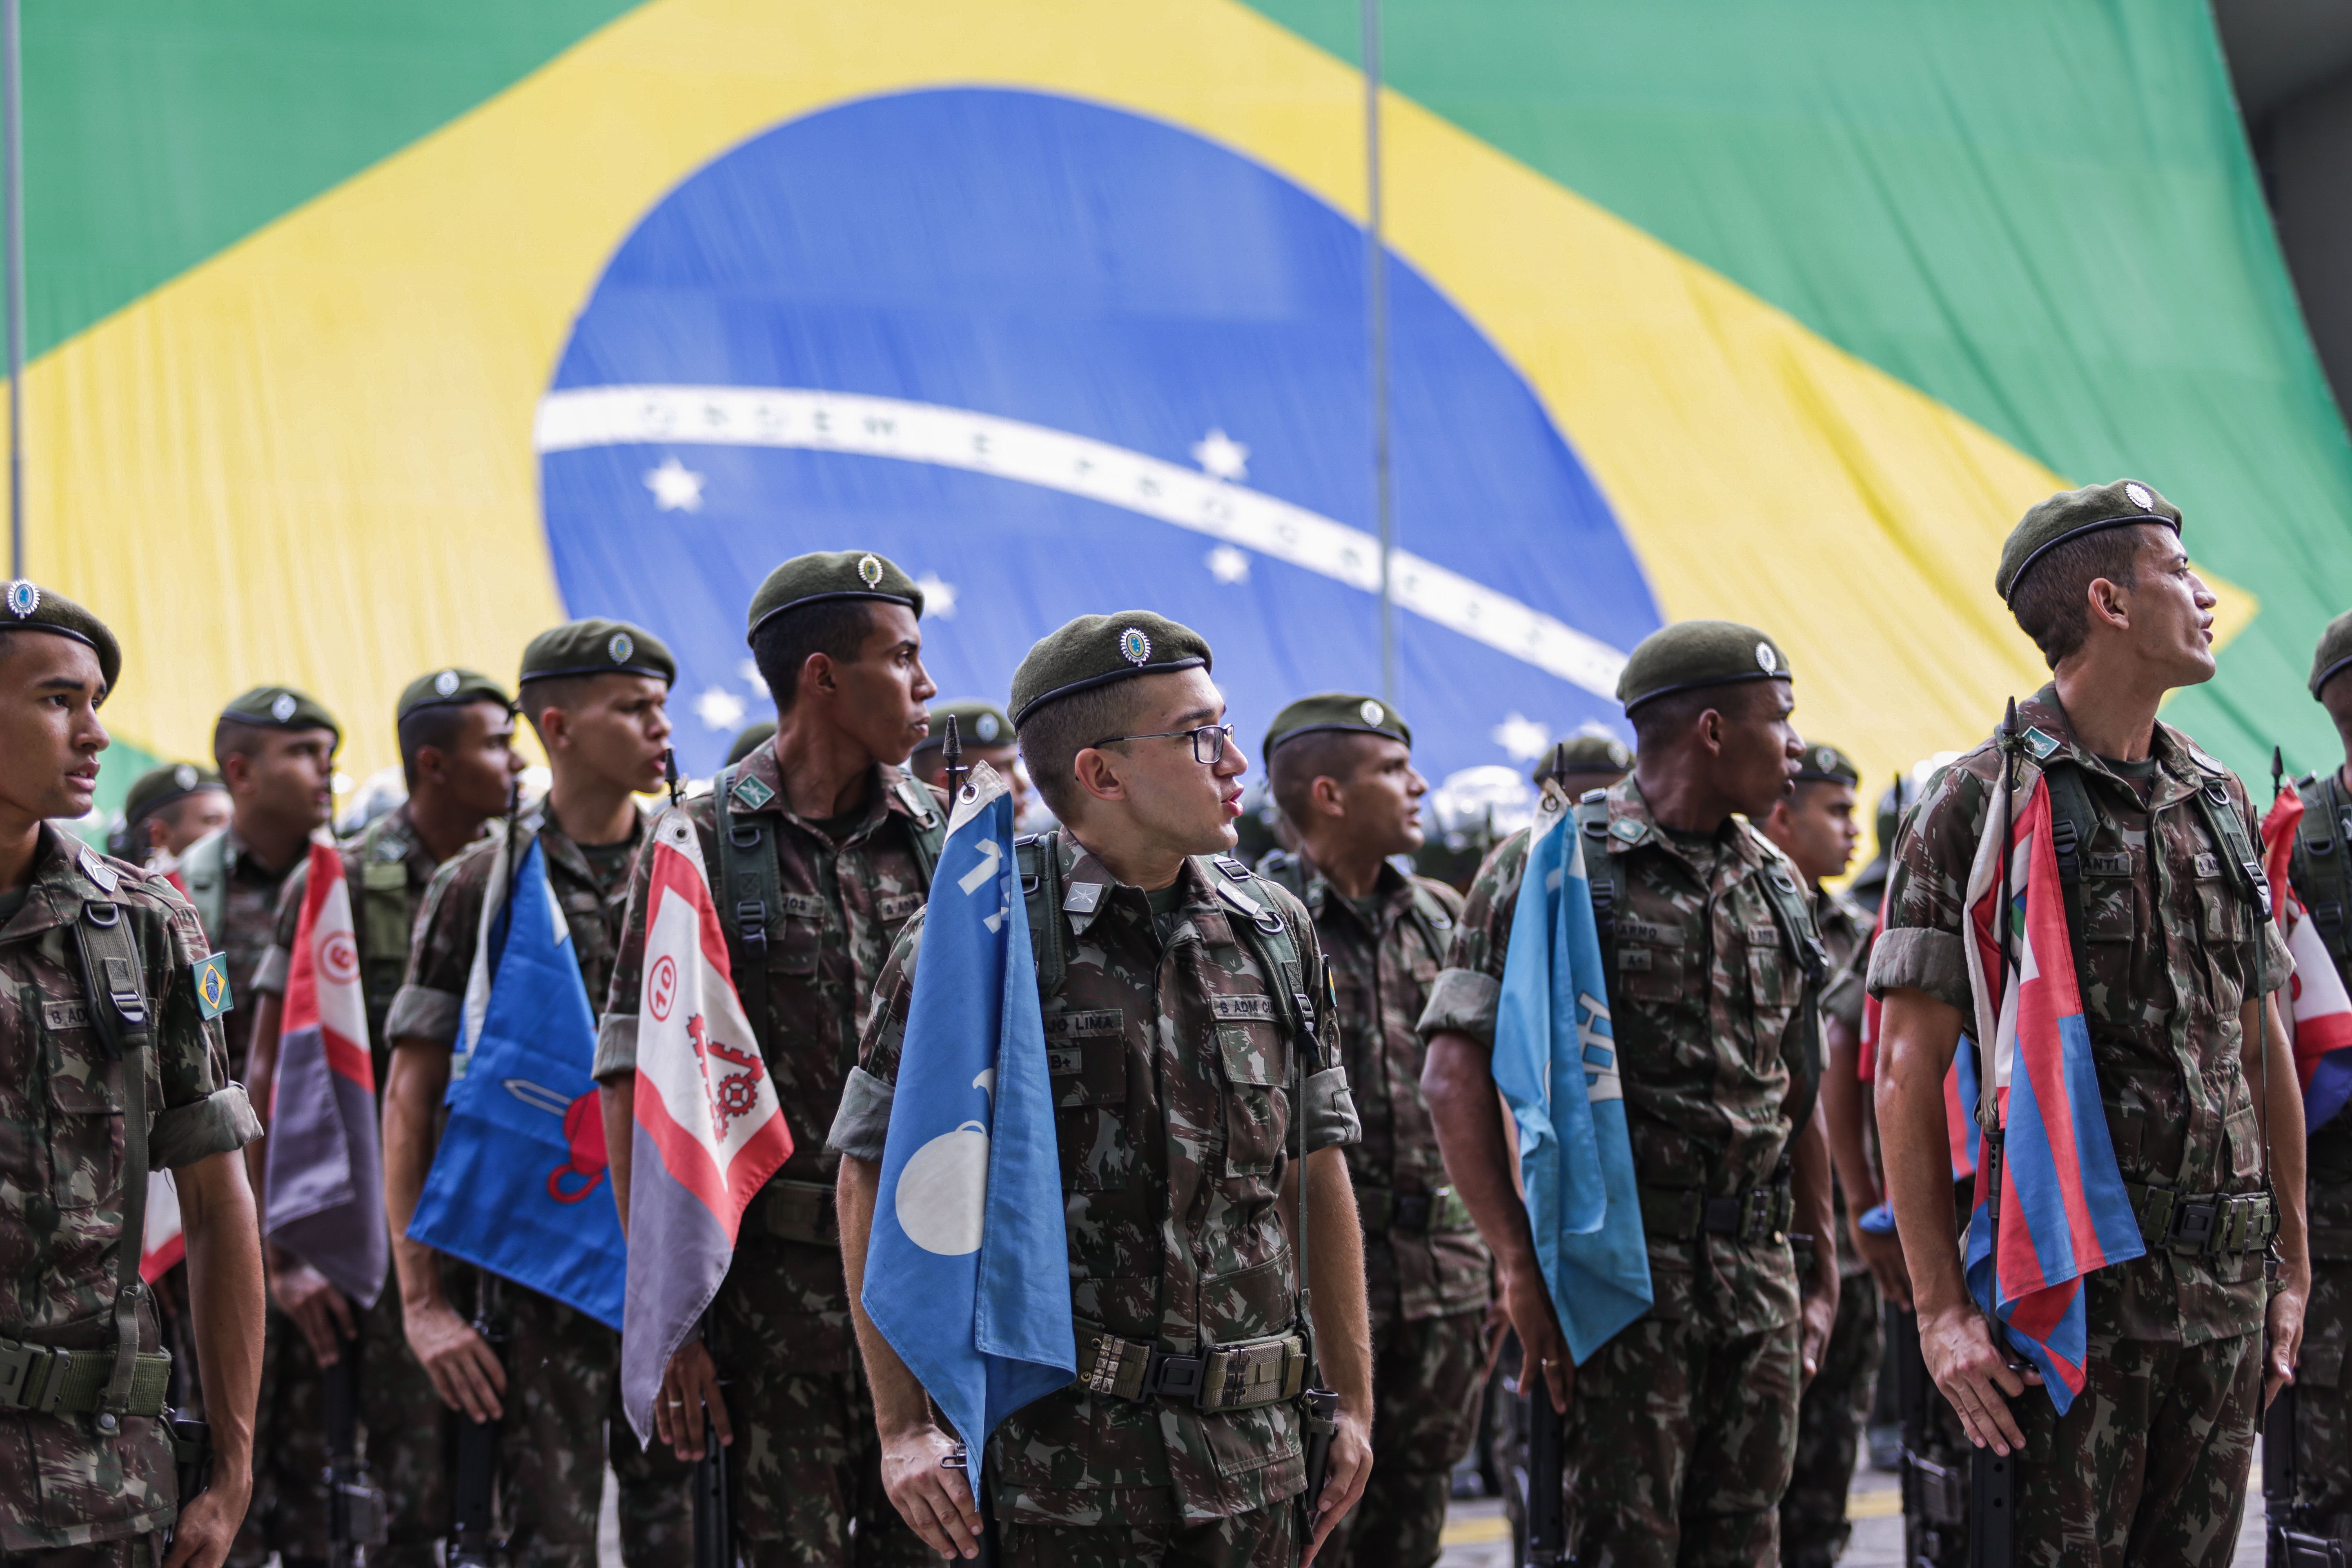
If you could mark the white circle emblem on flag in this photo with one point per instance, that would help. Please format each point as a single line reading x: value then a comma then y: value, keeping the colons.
x: 943, y: 1192
x: 340, y: 958
x: 661, y: 988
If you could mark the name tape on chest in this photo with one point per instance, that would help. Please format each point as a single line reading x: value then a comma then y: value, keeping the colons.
x: 61, y: 1015
x: 803, y: 906
x: 1255, y: 1009
x: 1084, y: 1026
x: 899, y: 907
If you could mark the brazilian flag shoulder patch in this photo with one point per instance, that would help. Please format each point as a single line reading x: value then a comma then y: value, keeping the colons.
x: 210, y: 976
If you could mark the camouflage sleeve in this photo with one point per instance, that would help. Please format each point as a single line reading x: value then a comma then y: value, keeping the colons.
x: 1927, y: 888
x: 616, y: 1025
x: 864, y: 1119
x: 1469, y: 988
x: 1330, y: 1105
x: 203, y: 1112
x: 277, y: 958
x: 433, y: 996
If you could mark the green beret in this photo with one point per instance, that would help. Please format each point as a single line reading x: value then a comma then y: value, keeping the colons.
x: 447, y: 688
x: 1691, y: 654
x: 2335, y: 651
x: 159, y: 787
x: 1824, y: 764
x: 281, y: 708
x: 978, y: 724
x: 1336, y: 710
x: 2071, y: 515
x: 597, y: 647
x: 1585, y: 753
x: 752, y: 739
x: 30, y: 607
x: 832, y: 574
x: 1095, y: 650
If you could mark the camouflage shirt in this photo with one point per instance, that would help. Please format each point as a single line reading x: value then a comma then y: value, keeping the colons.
x: 2167, y: 951
x: 1171, y: 1080
x: 433, y: 997
x: 62, y: 1168
x: 838, y: 906
x: 387, y: 869
x: 1702, y: 996
x: 1384, y: 954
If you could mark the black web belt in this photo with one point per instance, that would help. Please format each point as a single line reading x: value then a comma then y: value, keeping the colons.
x: 2208, y: 1222
x: 1752, y: 1215
x: 1222, y: 1377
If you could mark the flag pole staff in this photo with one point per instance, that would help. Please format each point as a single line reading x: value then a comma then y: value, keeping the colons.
x: 13, y: 69
x: 1376, y: 305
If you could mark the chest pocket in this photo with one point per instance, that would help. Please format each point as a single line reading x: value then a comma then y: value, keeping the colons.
x: 798, y: 936
x: 1250, y: 1048
x: 1650, y: 961
x: 85, y: 1109
x: 1086, y: 1055
x: 2217, y: 903
x: 2109, y: 877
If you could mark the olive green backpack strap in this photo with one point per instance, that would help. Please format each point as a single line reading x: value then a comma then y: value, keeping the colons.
x: 1038, y: 857
x: 125, y: 1020
x: 1801, y: 940
x: 204, y: 871
x: 746, y: 890
x: 928, y: 825
x: 1591, y: 814
x: 2322, y: 866
x: 2073, y: 820
x: 1264, y: 931
x: 386, y: 912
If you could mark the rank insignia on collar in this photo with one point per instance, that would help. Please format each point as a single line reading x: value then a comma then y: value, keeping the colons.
x: 1626, y: 828
x: 2040, y: 745
x: 390, y: 849
x: 210, y: 976
x: 750, y: 793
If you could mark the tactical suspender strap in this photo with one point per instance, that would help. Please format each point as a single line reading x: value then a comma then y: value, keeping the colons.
x: 384, y: 917
x: 1038, y: 859
x: 744, y: 866
x: 1600, y: 876
x: 930, y: 826
x: 126, y: 1022
x: 2072, y: 823
x: 205, y: 871
x: 2322, y: 868
x: 1802, y: 1044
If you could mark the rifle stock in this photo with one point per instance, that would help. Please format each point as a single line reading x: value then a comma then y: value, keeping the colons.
x: 714, y: 1504
x: 472, y: 1544
x: 2285, y: 1543
x: 357, y: 1517
x: 1546, y: 1510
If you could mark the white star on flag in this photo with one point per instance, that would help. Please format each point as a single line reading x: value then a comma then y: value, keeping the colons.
x: 749, y: 670
x: 676, y: 487
x: 938, y: 597
x: 1522, y: 738
x: 1227, y: 564
x: 1221, y: 456
x: 720, y: 709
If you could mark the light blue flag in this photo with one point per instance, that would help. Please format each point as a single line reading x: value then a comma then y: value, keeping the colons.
x: 518, y: 1183
x: 967, y: 1272
x: 1556, y: 1063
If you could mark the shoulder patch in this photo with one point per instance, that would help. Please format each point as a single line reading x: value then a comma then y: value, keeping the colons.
x: 210, y: 976
x: 2039, y: 743
x: 2204, y: 760
x: 106, y: 878
x: 750, y: 793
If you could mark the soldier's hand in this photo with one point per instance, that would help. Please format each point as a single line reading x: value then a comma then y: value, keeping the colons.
x: 208, y: 1528
x: 935, y: 1501
x: 1343, y: 1482
x: 2282, y: 1337
x: 1818, y: 1317
x: 1883, y: 1254
x: 1542, y: 1347
x: 317, y: 1308
x: 691, y: 1387
x: 1974, y: 1376
x: 465, y: 1371
x: 1491, y: 1334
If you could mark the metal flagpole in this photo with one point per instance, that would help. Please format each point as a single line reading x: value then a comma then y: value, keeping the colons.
x: 11, y: 66
x: 1377, y: 308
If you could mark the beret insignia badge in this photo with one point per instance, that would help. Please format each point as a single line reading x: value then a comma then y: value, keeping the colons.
x: 869, y: 571
x: 1766, y: 660
x: 1374, y: 714
x: 1134, y: 647
x: 986, y: 727
x: 184, y: 776
x: 1618, y: 754
x: 2139, y: 496
x: 621, y: 648
x: 281, y: 708
x: 445, y: 683
x: 1824, y: 759
x: 24, y: 598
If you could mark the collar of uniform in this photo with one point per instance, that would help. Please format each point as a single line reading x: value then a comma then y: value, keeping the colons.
x: 882, y: 780
x: 1632, y: 828
x: 1080, y: 870
x: 59, y: 885
x: 561, y: 848
x: 1389, y: 885
x: 399, y: 825
x: 2181, y: 767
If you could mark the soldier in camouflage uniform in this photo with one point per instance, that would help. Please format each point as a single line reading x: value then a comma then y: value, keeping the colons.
x: 594, y: 691
x: 2323, y: 1393
x: 87, y: 1469
x: 2149, y: 1463
x: 1681, y: 1429
x: 1174, y: 1045
x: 1815, y: 828
x: 169, y: 808
x: 455, y: 731
x: 838, y: 845
x: 1341, y: 767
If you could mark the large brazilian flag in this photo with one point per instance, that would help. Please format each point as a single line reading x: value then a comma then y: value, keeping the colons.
x: 370, y: 338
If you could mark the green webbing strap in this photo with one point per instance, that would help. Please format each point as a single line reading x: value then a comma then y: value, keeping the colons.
x: 2322, y: 868
x: 743, y: 864
x: 2073, y: 821
x: 928, y: 832
x: 1038, y: 859
x: 1802, y: 1043
x: 205, y: 869
x: 1264, y: 931
x: 44, y: 1379
x: 126, y: 1022
x: 1591, y: 814
x: 385, y: 914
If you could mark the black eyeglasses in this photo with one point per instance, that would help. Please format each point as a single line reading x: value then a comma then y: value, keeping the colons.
x: 1208, y: 741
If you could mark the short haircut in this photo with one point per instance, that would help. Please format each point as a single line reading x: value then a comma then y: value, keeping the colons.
x: 1055, y: 733
x: 836, y: 628
x: 1662, y: 719
x: 236, y: 738
x: 534, y: 696
x: 1298, y: 761
x: 436, y: 724
x: 2052, y: 603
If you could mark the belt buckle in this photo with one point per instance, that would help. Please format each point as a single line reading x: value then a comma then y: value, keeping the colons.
x: 1410, y: 1212
x: 53, y: 1389
x: 1176, y: 1377
x: 2194, y: 1224
x: 1757, y: 1223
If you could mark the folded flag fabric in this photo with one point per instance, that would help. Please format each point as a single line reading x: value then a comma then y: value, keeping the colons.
x: 967, y: 1271
x: 2063, y: 1209
x: 324, y: 1170
x: 708, y: 1129
x: 2320, y: 1015
x: 524, y: 1149
x: 1556, y: 1064
x: 164, y: 1246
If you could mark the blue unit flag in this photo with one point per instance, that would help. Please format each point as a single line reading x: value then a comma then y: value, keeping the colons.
x: 967, y: 1272
x: 1555, y: 1064
x: 523, y: 1156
